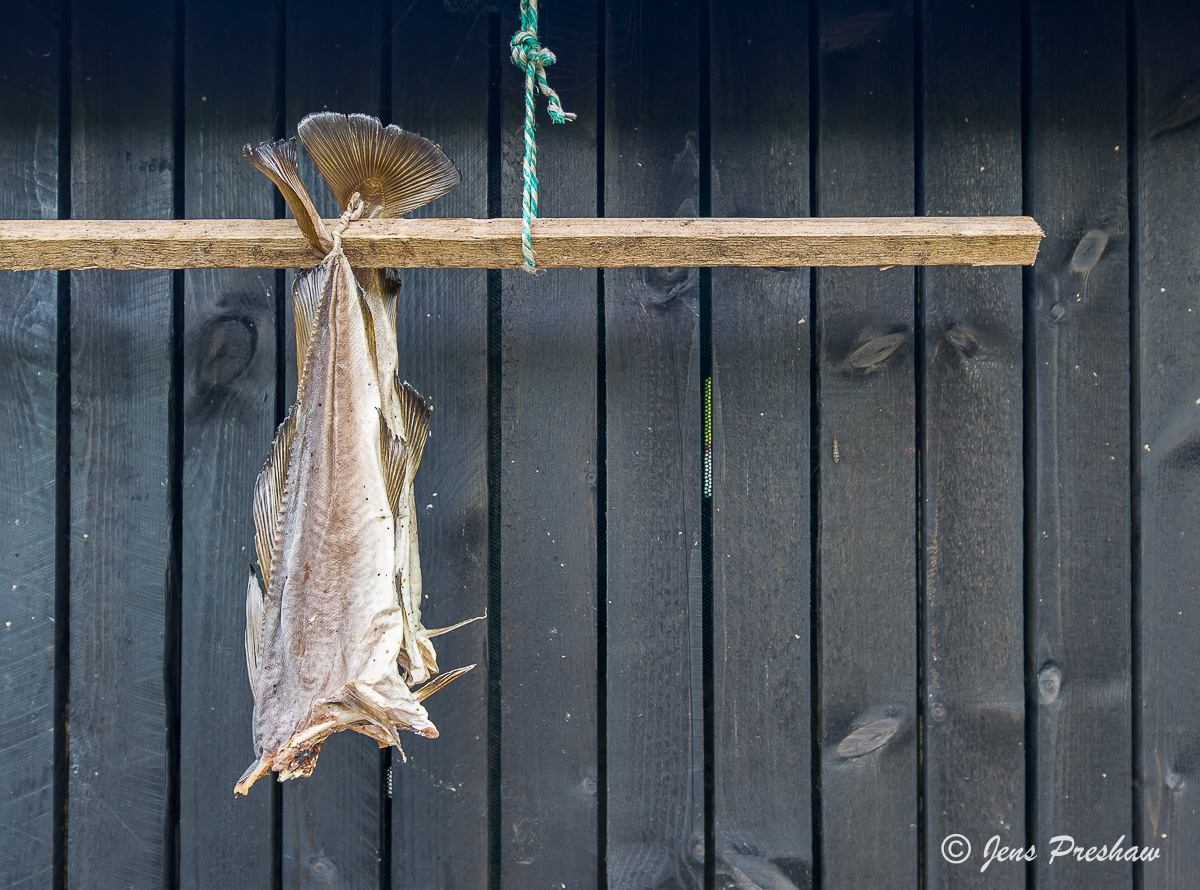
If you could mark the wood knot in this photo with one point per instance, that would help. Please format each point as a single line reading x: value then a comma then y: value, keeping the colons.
x: 868, y: 738
x: 1089, y: 250
x: 1049, y: 683
x: 322, y: 870
x: 665, y: 284
x: 872, y: 355
x: 963, y: 339
x: 225, y: 349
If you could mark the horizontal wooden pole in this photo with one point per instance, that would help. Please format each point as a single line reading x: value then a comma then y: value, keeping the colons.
x: 496, y: 243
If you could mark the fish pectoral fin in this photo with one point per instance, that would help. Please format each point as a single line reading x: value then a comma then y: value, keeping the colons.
x: 254, y: 629
x: 394, y: 455
x: 277, y: 160
x: 414, y: 421
x: 394, y: 171
x: 423, y: 692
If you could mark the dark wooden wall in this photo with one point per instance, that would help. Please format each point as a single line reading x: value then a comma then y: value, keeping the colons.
x: 789, y: 574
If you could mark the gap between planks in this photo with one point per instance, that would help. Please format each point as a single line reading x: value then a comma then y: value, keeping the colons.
x: 496, y: 243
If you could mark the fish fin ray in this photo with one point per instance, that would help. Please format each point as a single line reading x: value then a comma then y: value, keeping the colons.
x: 423, y: 692
x: 308, y: 298
x: 374, y: 711
x: 270, y: 498
x: 438, y: 631
x: 393, y: 171
x: 414, y: 420
x: 254, y: 629
x: 277, y: 161
x: 394, y: 455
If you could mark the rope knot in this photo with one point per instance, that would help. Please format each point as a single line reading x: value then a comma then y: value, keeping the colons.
x: 527, y: 51
x: 354, y: 210
x: 530, y: 56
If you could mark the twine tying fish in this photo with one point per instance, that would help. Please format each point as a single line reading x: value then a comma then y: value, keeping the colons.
x: 530, y: 56
x: 353, y: 211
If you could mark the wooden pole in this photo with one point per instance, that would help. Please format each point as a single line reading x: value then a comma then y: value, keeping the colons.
x: 496, y: 243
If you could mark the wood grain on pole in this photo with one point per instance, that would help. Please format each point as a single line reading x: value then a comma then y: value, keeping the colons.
x: 495, y: 243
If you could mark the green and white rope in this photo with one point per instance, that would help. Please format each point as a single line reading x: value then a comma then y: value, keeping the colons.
x: 530, y: 56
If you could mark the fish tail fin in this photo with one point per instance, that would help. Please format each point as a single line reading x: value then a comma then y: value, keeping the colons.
x: 393, y: 171
x: 277, y: 161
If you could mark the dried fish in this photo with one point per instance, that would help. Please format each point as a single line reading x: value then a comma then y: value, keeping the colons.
x: 334, y: 638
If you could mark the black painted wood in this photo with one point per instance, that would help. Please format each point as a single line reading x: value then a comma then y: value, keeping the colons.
x: 548, y: 493
x: 228, y: 417
x: 652, y: 371
x: 29, y: 70
x: 1079, y: 607
x: 972, y: 508
x: 1169, y: 354
x: 121, y: 166
x: 867, y: 439
x: 761, y: 327
x: 333, y: 821
x: 440, y: 797
x: 1100, y: 768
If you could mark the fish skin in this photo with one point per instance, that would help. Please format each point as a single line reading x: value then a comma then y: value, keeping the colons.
x: 335, y: 640
x: 379, y: 297
x: 332, y: 627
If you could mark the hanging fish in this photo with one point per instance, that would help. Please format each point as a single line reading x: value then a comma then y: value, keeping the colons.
x: 334, y: 638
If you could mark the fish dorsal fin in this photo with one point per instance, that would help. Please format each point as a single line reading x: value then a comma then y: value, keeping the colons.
x: 277, y: 160
x: 309, y: 292
x: 270, y: 499
x: 414, y: 422
x: 393, y: 454
x: 254, y: 628
x: 394, y: 172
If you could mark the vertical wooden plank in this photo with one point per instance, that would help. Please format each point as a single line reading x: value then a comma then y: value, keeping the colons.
x: 440, y: 797
x: 1169, y: 336
x: 548, y: 492
x: 972, y: 508
x: 760, y: 453
x: 29, y: 67
x: 867, y: 510
x: 332, y: 820
x: 228, y: 416
x: 121, y: 166
x: 1077, y: 180
x: 652, y: 357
